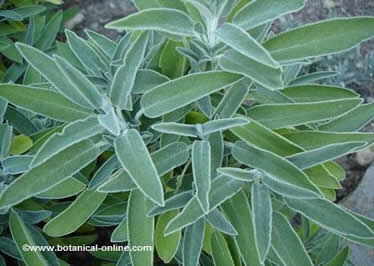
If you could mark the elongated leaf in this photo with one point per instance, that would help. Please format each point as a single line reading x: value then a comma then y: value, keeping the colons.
x: 86, y: 55
x: 221, y: 251
x: 70, y: 135
x: 158, y: 19
x: 284, y: 115
x: 256, y: 134
x: 223, y: 124
x: 177, y: 129
x: 316, y: 209
x: 18, y: 164
x: 147, y: 79
x: 25, y: 238
x: 180, y: 92
x: 222, y: 188
x: 310, y: 140
x: 274, y: 165
x: 262, y: 218
x: 66, y: 189
x: 120, y: 181
x: 242, y: 221
x: 85, y: 89
x: 193, y: 243
x: 75, y: 215
x: 135, y: 159
x: 266, y: 76
x: 286, y: 243
x: 166, y: 246
x: 201, y: 167
x: 144, y: 4
x: 340, y: 258
x: 232, y: 101
x: 140, y: 228
x: 124, y: 79
x: 6, y: 134
x: 119, y: 234
x: 102, y: 42
x: 218, y: 220
x: 321, y: 38
x: 352, y: 121
x: 43, y: 102
x: 312, y: 77
x: 173, y: 203
x: 217, y: 146
x: 317, y: 93
x: 20, y: 144
x: 260, y: 12
x: 239, y: 40
x: 239, y: 174
x: 171, y: 62
x: 51, y: 173
x: 311, y: 158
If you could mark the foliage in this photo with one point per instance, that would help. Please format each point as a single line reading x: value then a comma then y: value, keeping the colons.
x: 193, y: 134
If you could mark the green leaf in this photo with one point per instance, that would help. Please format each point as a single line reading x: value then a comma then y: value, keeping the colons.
x: 331, y: 152
x: 159, y: 19
x: 221, y: 251
x: 173, y: 203
x: 140, y: 228
x: 340, y: 258
x: 26, y: 236
x: 316, y: 210
x: 318, y: 93
x: 147, y: 79
x: 166, y: 246
x: 172, y: 63
x: 144, y: 4
x: 51, y: 173
x: 201, y: 167
x: 6, y: 134
x: 261, y: 218
x: 105, y: 44
x: 135, y: 159
x: 239, y: 174
x: 321, y: 38
x: 43, y: 102
x: 242, y: 221
x: 193, y: 243
x: 177, y: 129
x: 286, y: 243
x: 66, y: 189
x: 310, y: 140
x: 180, y: 92
x: 222, y: 188
x: 256, y: 134
x: 223, y: 124
x: 274, y: 165
x: 285, y: 115
x: 312, y: 77
x: 217, y: 146
x: 120, y: 234
x: 351, y: 121
x: 232, y: 101
x: 85, y: 54
x: 235, y: 62
x: 218, y: 220
x: 18, y: 164
x: 257, y: 13
x: 50, y: 31
x: 120, y: 181
x: 20, y: 144
x: 84, y: 88
x: 124, y: 79
x: 239, y: 40
x: 78, y: 212
x: 71, y: 134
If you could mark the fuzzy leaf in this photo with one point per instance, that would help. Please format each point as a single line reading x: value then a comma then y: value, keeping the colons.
x: 201, y: 167
x: 286, y: 243
x: 70, y: 219
x: 239, y: 174
x: 159, y: 19
x: 147, y: 79
x: 140, y: 228
x: 257, y: 13
x: 321, y: 38
x: 135, y: 159
x: 180, y: 92
x: 284, y: 115
x: 193, y: 243
x: 312, y: 78
x: 262, y: 218
x: 124, y: 79
x: 232, y: 101
x: 68, y: 188
x: 235, y: 62
x: 51, y: 173
x: 239, y: 40
x: 221, y: 251
x: 218, y: 220
x: 173, y: 203
x: 20, y: 144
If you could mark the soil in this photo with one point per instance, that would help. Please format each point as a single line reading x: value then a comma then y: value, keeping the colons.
x: 355, y: 67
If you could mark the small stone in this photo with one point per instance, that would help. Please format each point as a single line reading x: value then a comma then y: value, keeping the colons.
x: 365, y: 157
